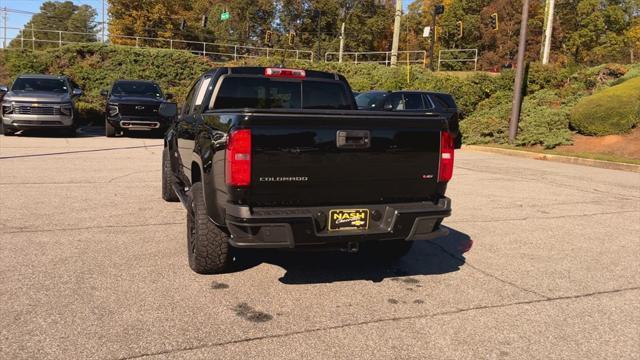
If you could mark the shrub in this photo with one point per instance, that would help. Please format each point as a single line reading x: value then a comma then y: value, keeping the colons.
x: 614, y: 110
x: 543, y: 121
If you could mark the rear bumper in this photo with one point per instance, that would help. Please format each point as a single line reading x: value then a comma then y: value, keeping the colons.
x: 307, y: 226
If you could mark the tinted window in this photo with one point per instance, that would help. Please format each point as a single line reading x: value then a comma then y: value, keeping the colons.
x: 401, y: 102
x: 324, y: 95
x: 264, y: 93
x: 37, y: 84
x: 413, y: 102
x: 135, y: 88
x: 447, y: 99
x: 396, y: 102
x: 187, y: 104
x: 431, y: 102
x: 369, y: 100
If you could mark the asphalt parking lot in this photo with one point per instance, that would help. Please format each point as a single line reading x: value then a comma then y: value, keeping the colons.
x: 541, y: 262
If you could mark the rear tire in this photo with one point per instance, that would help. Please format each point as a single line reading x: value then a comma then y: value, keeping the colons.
x: 207, y: 245
x: 109, y: 130
x: 168, y: 194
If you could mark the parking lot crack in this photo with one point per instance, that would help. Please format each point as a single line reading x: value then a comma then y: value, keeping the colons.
x: 378, y: 321
x: 486, y: 273
x: 78, y: 151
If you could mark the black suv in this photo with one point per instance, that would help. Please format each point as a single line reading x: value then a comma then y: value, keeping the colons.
x: 132, y: 105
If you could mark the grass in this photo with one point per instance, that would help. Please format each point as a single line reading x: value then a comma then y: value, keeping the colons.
x: 584, y: 155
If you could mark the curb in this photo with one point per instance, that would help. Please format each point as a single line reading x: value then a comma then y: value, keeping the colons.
x: 556, y: 158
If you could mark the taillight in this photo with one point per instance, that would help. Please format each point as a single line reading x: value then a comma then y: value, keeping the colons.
x: 238, y: 162
x: 287, y: 73
x: 445, y: 171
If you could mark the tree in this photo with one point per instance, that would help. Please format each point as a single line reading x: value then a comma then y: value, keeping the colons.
x: 596, y: 31
x: 54, y: 17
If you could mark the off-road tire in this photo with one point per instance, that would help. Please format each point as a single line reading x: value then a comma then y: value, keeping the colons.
x: 109, y: 130
x: 168, y: 194
x: 207, y: 245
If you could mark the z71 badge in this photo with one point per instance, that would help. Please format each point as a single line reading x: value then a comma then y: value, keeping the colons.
x: 349, y: 219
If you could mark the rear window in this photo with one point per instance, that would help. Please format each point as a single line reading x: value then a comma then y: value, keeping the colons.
x: 264, y: 93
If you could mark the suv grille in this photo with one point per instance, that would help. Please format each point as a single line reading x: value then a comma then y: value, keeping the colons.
x: 138, y: 110
x: 36, y: 110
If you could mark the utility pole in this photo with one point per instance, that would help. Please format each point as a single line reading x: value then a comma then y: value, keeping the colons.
x: 396, y: 33
x: 437, y: 10
x: 432, y: 45
x: 341, y: 43
x: 319, y: 13
x: 103, y: 23
x: 548, y: 31
x: 517, y: 86
x: 4, y: 25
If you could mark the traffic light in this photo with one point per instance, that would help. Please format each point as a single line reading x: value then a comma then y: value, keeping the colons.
x: 292, y: 37
x: 459, y: 23
x: 439, y: 9
x: 267, y: 37
x: 183, y: 24
x: 205, y: 19
x: 494, y: 21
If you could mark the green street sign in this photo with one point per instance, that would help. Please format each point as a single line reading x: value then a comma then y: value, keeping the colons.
x: 225, y: 16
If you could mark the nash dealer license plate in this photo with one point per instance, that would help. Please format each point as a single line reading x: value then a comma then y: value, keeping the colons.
x: 349, y: 219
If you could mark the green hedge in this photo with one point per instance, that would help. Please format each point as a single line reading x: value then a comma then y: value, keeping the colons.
x: 94, y: 67
x: 552, y: 90
x: 614, y: 110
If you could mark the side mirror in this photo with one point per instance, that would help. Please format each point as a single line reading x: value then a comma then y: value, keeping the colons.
x: 104, y: 93
x: 76, y: 92
x: 388, y: 106
x: 168, y: 109
x: 4, y: 89
x: 168, y: 96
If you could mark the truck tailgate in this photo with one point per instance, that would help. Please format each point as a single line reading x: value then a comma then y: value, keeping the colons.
x: 327, y: 159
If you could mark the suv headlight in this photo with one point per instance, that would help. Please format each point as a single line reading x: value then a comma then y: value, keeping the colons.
x: 66, y: 109
x: 113, y: 109
x: 7, y: 108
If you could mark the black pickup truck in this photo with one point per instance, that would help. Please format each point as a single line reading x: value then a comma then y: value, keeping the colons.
x: 132, y: 105
x: 282, y: 158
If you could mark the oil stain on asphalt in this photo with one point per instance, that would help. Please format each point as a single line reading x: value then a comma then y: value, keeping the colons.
x: 248, y: 313
x: 217, y: 286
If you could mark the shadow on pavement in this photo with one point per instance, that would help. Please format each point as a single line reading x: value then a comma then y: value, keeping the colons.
x: 440, y: 256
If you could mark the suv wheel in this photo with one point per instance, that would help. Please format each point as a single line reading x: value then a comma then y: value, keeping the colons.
x: 168, y: 194
x: 207, y: 245
x: 109, y: 130
x: 6, y: 131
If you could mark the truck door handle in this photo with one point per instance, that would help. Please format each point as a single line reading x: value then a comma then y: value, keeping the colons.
x: 353, y: 139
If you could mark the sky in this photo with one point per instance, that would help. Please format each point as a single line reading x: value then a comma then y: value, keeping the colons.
x: 17, y: 21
